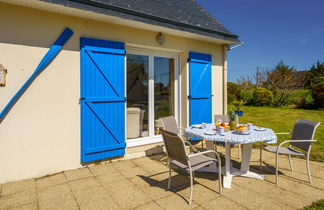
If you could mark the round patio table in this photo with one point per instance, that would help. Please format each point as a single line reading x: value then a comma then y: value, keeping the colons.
x: 257, y: 134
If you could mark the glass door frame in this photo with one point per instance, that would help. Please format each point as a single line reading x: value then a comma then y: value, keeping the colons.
x: 152, y: 138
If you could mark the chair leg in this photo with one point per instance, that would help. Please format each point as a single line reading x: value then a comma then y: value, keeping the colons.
x: 220, y: 177
x: 260, y: 156
x: 277, y: 165
x: 238, y: 152
x: 290, y: 163
x: 191, y: 185
x: 308, y: 168
x: 169, y: 181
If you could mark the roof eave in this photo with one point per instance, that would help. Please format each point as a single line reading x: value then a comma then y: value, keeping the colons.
x: 216, y: 37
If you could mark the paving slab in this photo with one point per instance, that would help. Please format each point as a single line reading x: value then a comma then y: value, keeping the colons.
x: 101, y: 169
x: 101, y: 204
x: 49, y: 181
x: 201, y: 194
x: 122, y: 164
x: 142, y: 184
x: 83, y: 184
x: 149, y: 206
x: 77, y: 174
x: 270, y: 190
x: 30, y: 206
x: 131, y: 172
x: 252, y: 200
x: 57, y: 197
x: 221, y: 202
x: 110, y: 178
x: 18, y: 199
x: 20, y: 186
x: 175, y: 202
x: 126, y: 194
x: 153, y: 189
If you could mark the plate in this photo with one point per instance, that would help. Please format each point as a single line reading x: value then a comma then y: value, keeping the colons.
x: 196, y: 126
x: 210, y: 133
x: 259, y: 129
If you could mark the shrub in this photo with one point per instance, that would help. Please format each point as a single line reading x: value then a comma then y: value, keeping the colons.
x: 300, y: 98
x: 318, y: 94
x: 246, y: 95
x: 233, y: 91
x: 280, y: 98
x: 262, y: 96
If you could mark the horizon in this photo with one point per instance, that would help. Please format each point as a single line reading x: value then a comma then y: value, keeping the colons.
x: 295, y: 34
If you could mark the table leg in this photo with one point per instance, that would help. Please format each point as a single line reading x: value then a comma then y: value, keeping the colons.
x: 245, y: 164
x: 227, y: 180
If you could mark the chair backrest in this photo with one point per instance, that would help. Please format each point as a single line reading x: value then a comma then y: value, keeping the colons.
x: 303, y: 130
x: 223, y: 118
x: 170, y: 124
x: 175, y: 146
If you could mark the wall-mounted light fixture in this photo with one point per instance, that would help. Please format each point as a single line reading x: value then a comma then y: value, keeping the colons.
x: 3, y: 75
x: 160, y: 38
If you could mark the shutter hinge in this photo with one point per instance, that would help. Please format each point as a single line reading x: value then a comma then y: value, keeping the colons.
x: 80, y: 99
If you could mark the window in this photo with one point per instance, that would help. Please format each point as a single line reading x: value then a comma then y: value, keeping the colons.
x: 151, y: 92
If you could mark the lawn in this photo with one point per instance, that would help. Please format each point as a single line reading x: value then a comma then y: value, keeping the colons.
x: 283, y: 119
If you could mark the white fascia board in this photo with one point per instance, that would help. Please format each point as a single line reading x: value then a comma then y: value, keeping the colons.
x: 111, y: 19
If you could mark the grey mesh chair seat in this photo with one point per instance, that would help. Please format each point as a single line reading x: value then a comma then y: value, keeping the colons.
x: 196, y: 162
x: 301, y: 138
x: 177, y: 155
x: 284, y: 150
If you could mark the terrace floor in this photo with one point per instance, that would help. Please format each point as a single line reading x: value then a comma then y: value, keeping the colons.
x: 140, y: 184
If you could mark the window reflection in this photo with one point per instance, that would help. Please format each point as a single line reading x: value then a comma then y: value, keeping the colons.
x: 163, y: 89
x: 137, y: 96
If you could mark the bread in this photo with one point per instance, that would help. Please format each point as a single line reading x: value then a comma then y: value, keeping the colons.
x: 241, y: 128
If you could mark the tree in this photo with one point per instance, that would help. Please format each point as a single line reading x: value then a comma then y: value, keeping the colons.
x: 285, y: 77
x: 316, y: 71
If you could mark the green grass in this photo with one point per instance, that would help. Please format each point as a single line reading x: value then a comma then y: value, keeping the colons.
x: 317, y: 205
x: 283, y: 120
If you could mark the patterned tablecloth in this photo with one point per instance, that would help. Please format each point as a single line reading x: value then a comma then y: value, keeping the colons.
x: 232, y: 137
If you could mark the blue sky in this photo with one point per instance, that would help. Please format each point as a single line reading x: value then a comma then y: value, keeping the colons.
x: 272, y: 30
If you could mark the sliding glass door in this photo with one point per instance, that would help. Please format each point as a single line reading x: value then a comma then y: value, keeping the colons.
x: 152, y: 85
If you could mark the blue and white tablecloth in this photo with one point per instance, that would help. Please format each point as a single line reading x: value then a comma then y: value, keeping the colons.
x: 267, y: 136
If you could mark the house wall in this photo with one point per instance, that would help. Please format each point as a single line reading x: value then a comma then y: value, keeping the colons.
x: 41, y: 133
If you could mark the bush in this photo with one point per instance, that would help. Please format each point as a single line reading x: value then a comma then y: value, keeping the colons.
x: 246, y: 95
x: 233, y: 91
x: 280, y: 98
x: 262, y: 96
x: 300, y: 98
x: 318, y: 94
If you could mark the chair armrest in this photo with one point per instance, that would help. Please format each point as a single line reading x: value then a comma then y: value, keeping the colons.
x: 182, y: 128
x: 191, y: 147
x: 289, y: 141
x: 206, y: 152
x: 283, y: 133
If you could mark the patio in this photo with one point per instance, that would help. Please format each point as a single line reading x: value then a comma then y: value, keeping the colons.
x: 140, y: 184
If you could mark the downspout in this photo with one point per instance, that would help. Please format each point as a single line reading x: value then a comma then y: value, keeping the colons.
x: 225, y: 49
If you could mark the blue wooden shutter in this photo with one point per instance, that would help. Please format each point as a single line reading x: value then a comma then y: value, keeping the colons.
x: 102, y: 99
x: 200, y: 88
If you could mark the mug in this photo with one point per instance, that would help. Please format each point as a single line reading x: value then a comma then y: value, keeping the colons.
x: 250, y: 126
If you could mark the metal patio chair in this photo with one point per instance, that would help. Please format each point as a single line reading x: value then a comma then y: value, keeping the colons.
x: 170, y: 124
x: 225, y: 119
x: 301, y: 138
x: 175, y: 149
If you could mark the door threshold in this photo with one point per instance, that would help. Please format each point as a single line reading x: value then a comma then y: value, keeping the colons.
x: 143, y: 141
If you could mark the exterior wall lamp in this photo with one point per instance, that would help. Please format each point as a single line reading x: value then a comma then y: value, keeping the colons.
x: 160, y: 38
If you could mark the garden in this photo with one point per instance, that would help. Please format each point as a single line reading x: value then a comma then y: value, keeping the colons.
x: 280, y: 97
